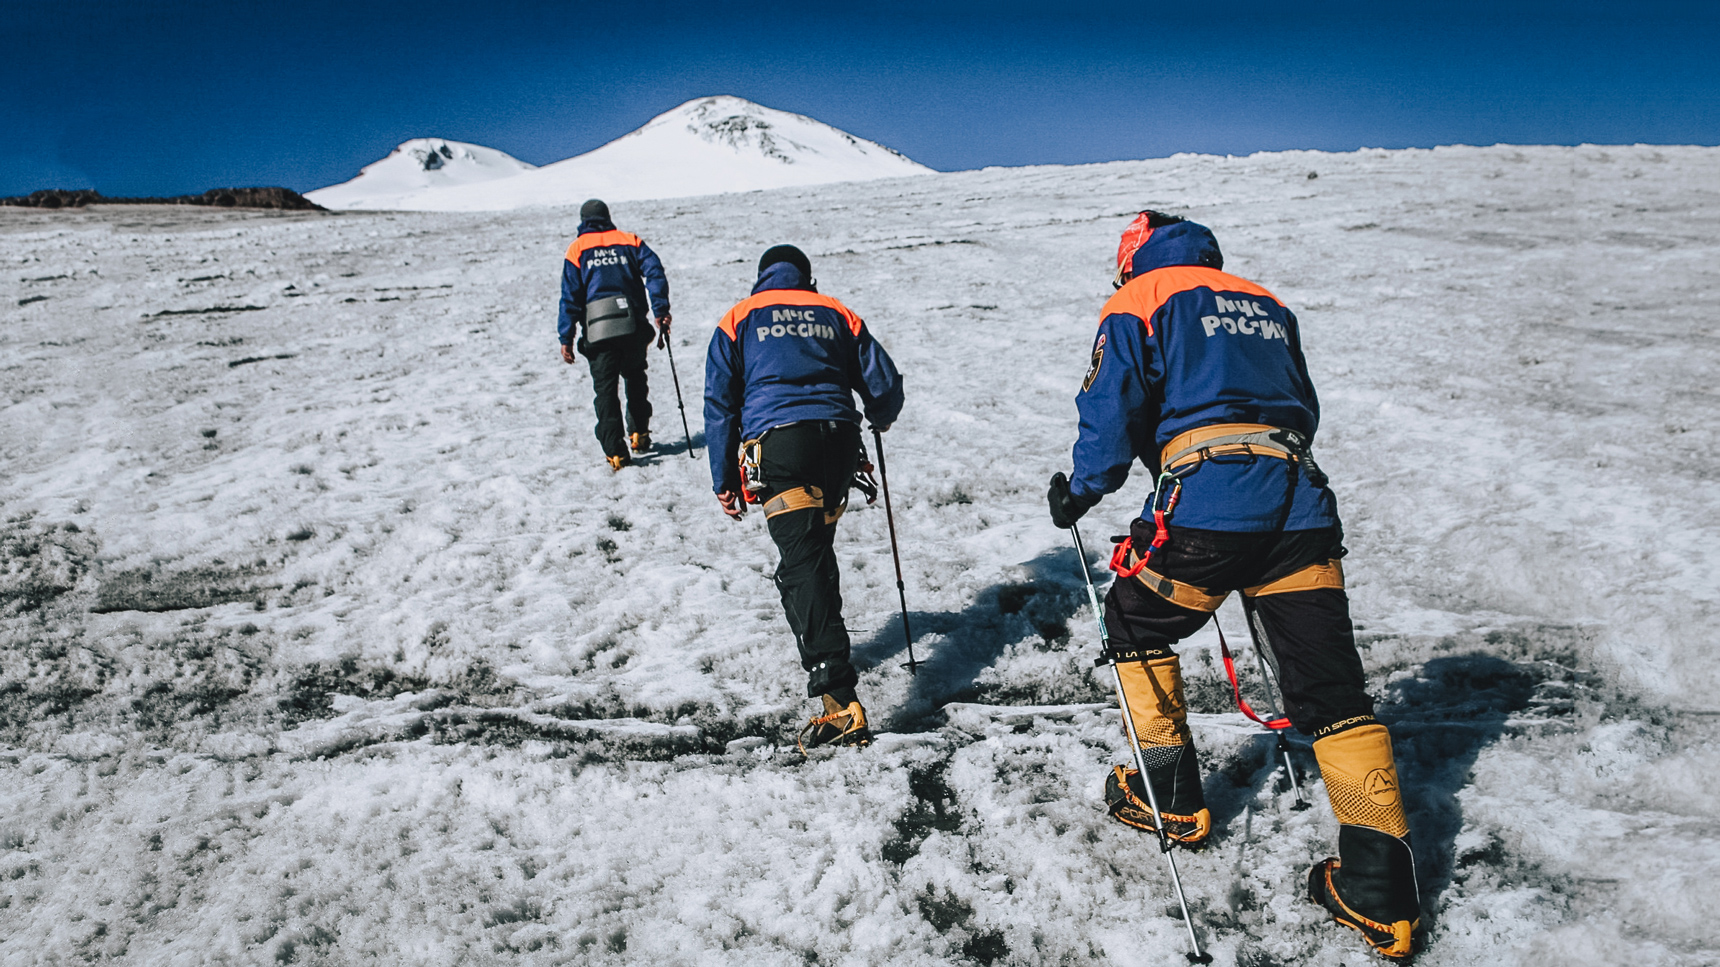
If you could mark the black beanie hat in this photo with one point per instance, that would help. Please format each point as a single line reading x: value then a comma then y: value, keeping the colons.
x: 789, y: 254
x: 595, y: 208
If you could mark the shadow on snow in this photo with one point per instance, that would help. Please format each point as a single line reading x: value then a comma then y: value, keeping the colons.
x: 969, y: 641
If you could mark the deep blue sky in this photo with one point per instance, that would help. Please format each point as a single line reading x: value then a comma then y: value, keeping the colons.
x: 160, y: 98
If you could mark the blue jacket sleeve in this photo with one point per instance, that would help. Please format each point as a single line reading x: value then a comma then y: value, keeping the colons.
x: 1295, y: 340
x: 723, y: 375
x: 656, y: 282
x: 877, y: 379
x: 572, y: 302
x: 1118, y: 416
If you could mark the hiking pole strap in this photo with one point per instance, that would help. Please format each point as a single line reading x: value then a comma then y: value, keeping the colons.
x: 669, y: 347
x: 1236, y: 686
x: 895, y: 554
x: 1262, y: 642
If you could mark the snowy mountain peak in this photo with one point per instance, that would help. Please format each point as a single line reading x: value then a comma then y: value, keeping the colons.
x: 747, y: 127
x: 420, y: 164
x: 708, y: 145
x: 434, y: 153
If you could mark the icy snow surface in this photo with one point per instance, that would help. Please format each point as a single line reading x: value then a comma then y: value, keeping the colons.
x: 706, y: 146
x: 329, y: 638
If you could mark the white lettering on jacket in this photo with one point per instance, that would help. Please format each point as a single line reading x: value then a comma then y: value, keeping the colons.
x: 1264, y: 328
x: 1239, y: 305
x: 805, y: 330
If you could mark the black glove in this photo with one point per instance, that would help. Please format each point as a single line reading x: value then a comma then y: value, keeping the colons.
x: 1066, y: 508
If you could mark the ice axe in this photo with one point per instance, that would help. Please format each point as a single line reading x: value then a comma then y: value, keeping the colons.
x: 1197, y: 956
x: 901, y: 589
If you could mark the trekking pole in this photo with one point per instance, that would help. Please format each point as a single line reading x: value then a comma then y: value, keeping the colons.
x: 669, y: 347
x: 1257, y: 632
x: 1197, y: 956
x: 911, y: 665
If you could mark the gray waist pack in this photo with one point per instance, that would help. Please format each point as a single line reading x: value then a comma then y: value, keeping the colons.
x: 612, y: 318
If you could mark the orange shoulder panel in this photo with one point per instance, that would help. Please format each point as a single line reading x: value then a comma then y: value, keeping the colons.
x: 785, y: 297
x: 592, y: 240
x: 1145, y: 294
x: 731, y: 319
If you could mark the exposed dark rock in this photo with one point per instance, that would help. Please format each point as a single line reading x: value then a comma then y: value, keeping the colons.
x: 282, y: 198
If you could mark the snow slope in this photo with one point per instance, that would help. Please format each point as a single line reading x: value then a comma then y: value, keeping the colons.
x: 326, y: 636
x: 706, y: 146
x: 419, y: 166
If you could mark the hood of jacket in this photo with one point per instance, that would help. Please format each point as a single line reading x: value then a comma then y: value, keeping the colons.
x: 782, y: 275
x: 1185, y: 243
x: 596, y: 225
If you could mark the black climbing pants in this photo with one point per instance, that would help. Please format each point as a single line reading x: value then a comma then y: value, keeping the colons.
x: 821, y: 454
x: 609, y: 367
x: 1309, y: 631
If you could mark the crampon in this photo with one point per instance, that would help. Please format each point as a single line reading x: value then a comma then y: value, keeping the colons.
x: 1127, y: 803
x: 839, y: 725
x: 1393, y: 940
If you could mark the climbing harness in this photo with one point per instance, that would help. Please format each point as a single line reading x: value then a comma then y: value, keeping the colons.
x: 750, y: 460
x: 1194, y: 447
x: 1185, y: 454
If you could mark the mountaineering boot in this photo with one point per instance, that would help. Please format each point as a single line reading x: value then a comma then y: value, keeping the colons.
x: 1370, y: 886
x: 843, y: 723
x: 640, y: 442
x: 1154, y: 690
x: 616, y: 463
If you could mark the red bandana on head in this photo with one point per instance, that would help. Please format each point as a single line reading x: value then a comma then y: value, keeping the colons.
x: 1134, y: 237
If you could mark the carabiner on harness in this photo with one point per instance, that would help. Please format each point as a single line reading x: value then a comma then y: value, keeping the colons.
x: 752, y: 475
x: 1166, y: 493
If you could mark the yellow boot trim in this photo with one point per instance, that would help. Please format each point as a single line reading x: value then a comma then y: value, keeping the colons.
x: 1176, y: 592
x: 1327, y: 575
x: 1361, y: 779
x: 1134, y: 811
x: 1155, y: 693
x: 799, y: 498
x: 1402, y: 932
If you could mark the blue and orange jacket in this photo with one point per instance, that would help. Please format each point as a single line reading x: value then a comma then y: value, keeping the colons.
x: 788, y: 354
x: 604, y: 262
x: 1184, y: 345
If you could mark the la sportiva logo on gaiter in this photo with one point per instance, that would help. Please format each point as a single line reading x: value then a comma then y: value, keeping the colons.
x: 1381, y: 787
